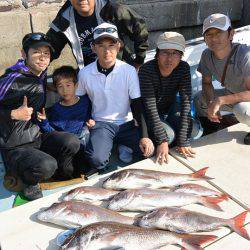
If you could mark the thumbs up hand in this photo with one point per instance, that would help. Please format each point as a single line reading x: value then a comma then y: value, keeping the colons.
x: 23, y: 113
x: 41, y: 116
x: 25, y: 101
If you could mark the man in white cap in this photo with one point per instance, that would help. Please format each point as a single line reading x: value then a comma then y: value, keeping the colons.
x: 160, y: 81
x: 113, y: 88
x: 228, y: 63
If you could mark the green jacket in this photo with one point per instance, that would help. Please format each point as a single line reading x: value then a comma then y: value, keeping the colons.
x: 129, y: 23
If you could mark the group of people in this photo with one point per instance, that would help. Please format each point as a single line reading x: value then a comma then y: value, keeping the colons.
x: 114, y: 98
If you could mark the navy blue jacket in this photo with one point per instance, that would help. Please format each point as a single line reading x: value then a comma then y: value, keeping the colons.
x: 71, y: 119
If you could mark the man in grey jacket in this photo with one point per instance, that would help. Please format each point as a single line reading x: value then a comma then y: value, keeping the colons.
x: 76, y: 20
x: 235, y: 94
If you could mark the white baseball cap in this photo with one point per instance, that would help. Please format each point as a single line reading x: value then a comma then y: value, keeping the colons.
x: 171, y: 40
x: 218, y: 21
x: 106, y: 30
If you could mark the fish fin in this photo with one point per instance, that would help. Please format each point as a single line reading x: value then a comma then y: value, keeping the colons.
x: 237, y: 224
x: 194, y: 242
x: 212, y: 202
x: 200, y: 174
x: 104, y: 204
x: 137, y: 218
x: 224, y: 196
x: 64, y: 198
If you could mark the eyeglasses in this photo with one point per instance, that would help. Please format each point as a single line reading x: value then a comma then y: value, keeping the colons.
x: 102, y: 30
x: 39, y: 53
x: 169, y: 54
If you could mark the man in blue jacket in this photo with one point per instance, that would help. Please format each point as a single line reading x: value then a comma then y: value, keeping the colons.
x: 26, y: 152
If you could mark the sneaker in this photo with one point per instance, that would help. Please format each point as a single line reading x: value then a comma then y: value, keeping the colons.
x: 125, y: 153
x: 33, y: 192
x: 247, y: 139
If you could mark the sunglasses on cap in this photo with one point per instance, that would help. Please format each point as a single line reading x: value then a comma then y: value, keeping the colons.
x: 36, y: 37
x: 102, y: 30
x: 32, y: 38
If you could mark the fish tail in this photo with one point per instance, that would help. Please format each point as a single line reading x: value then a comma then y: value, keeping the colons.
x: 237, y: 224
x: 194, y: 242
x: 212, y: 202
x: 201, y: 174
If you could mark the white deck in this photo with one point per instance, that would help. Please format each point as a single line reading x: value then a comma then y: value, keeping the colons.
x: 232, y: 241
x: 228, y: 160
x: 20, y: 230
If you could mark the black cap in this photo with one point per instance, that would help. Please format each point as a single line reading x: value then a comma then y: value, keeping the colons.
x: 34, y: 40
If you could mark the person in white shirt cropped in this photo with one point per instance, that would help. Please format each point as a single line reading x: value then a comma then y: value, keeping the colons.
x: 113, y: 88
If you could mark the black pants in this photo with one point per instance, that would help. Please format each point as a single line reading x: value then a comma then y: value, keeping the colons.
x: 52, y: 155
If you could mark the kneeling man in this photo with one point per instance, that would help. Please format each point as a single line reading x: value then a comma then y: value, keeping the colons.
x: 113, y: 88
x: 229, y: 63
x: 27, y: 153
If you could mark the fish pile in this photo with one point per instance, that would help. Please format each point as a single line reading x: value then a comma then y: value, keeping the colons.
x: 142, y: 193
x: 158, y: 196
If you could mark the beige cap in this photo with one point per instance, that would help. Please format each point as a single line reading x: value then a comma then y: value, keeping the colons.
x: 171, y: 40
x: 218, y: 21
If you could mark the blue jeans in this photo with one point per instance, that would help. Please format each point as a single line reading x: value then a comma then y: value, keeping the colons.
x: 102, y: 137
x: 172, y: 126
x: 172, y: 121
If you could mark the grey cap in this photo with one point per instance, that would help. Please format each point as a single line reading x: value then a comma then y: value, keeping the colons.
x: 218, y: 21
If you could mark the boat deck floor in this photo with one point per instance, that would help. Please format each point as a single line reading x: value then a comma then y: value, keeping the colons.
x: 7, y: 198
x: 223, y: 152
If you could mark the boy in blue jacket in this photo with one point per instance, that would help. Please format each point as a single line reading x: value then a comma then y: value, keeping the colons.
x: 72, y: 113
